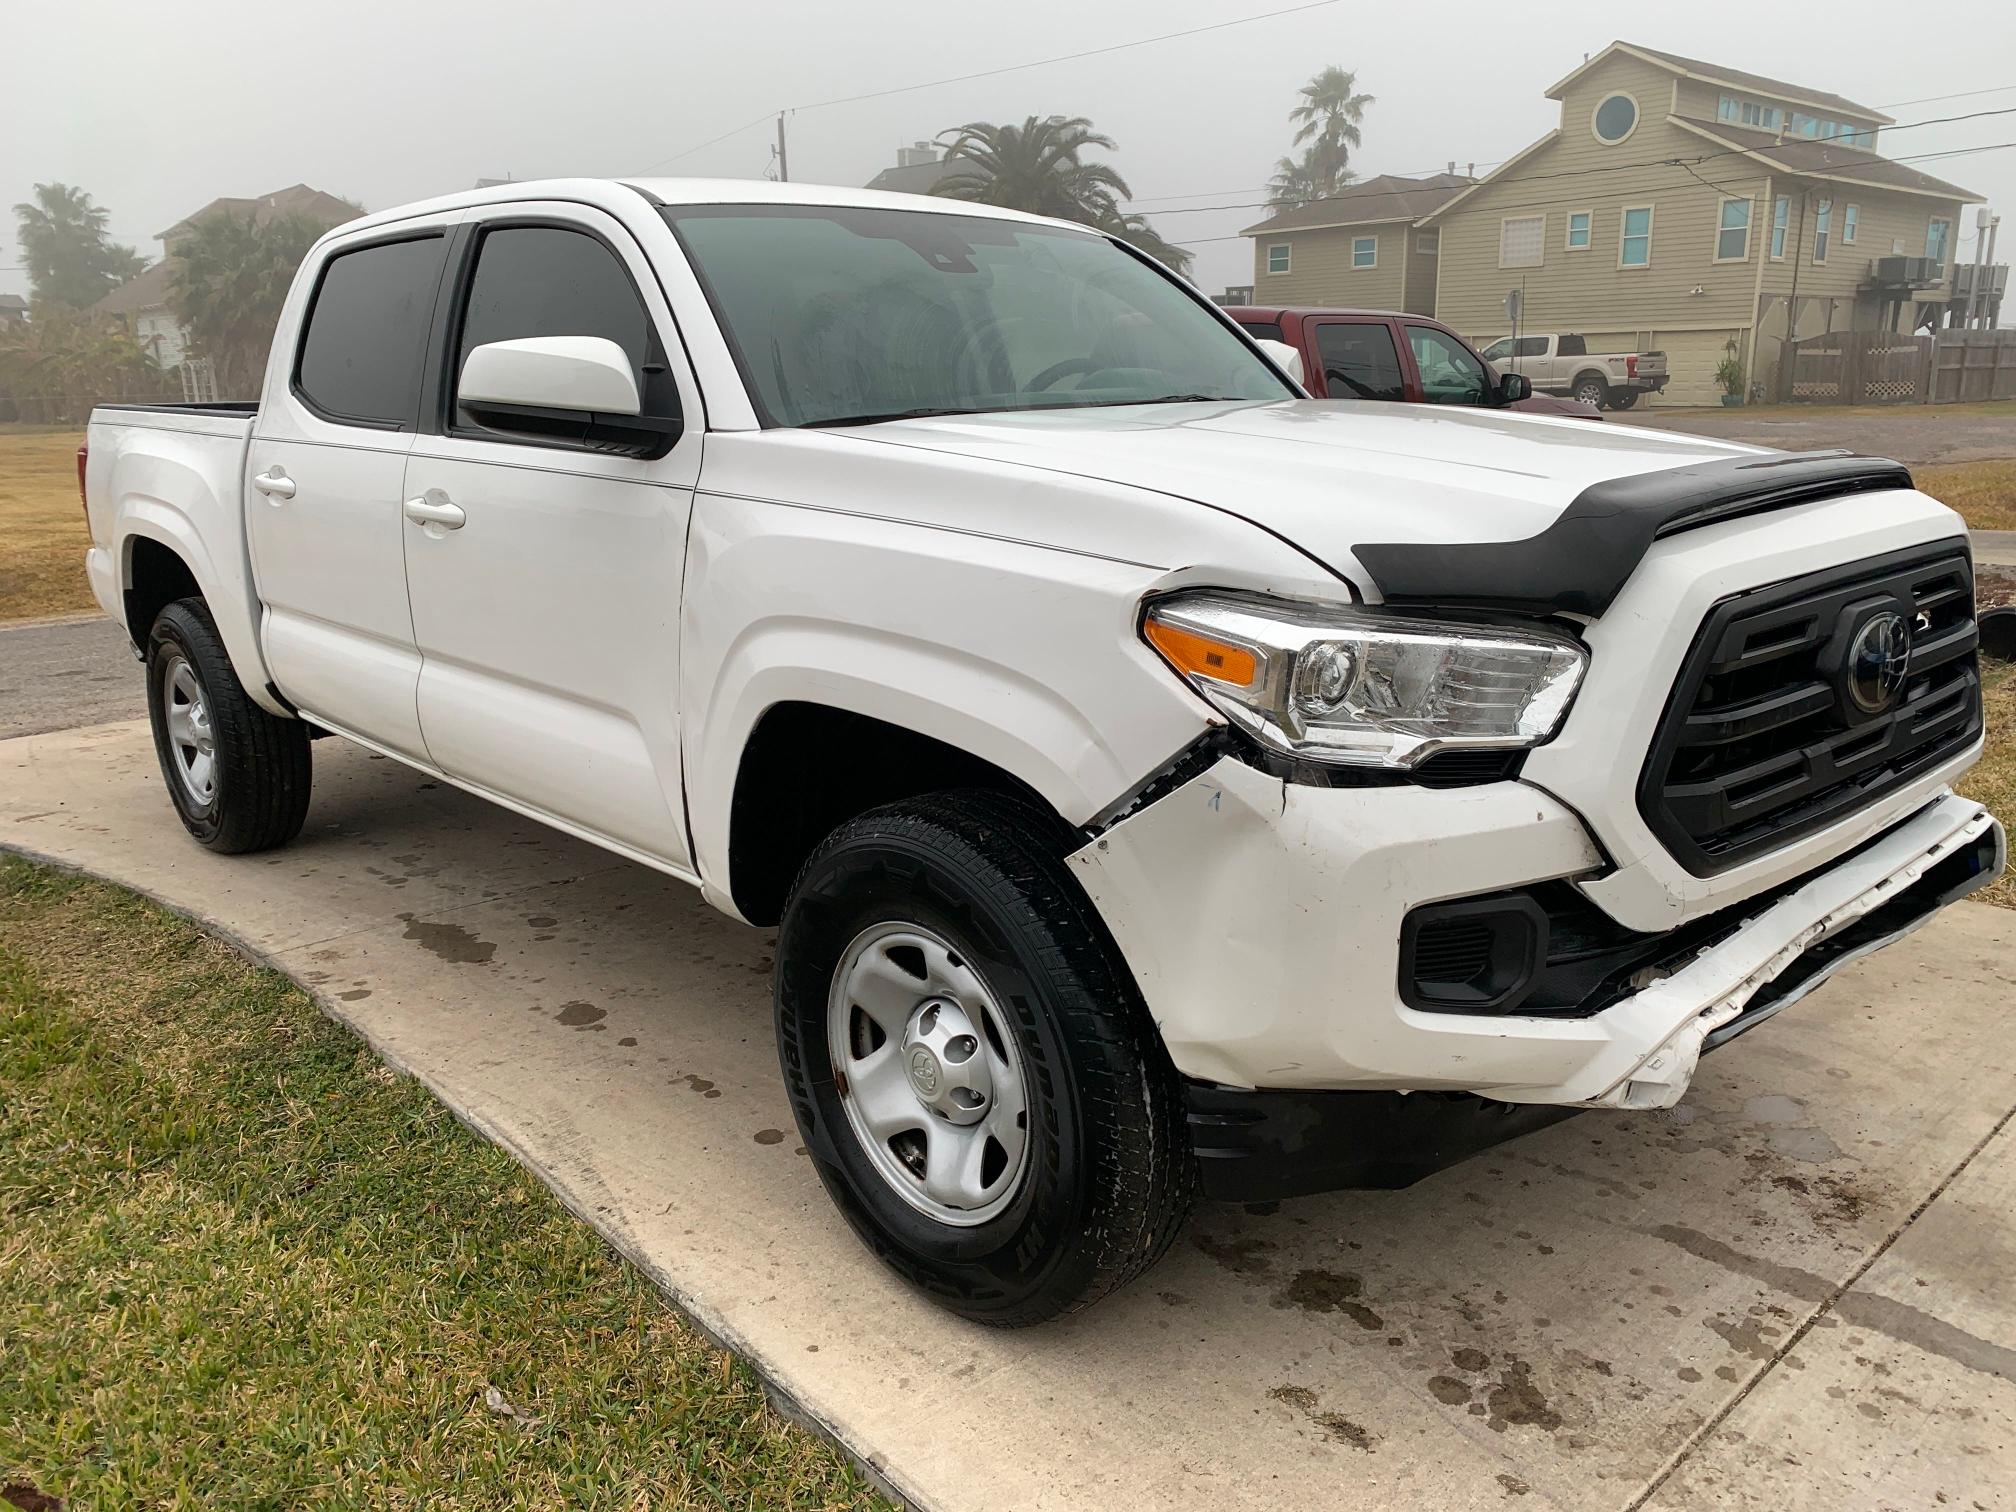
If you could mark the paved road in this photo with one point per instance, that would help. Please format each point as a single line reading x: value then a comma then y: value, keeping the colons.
x: 58, y: 674
x: 1911, y: 433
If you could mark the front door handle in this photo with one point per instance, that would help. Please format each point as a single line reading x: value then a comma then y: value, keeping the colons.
x: 433, y: 508
x: 274, y: 483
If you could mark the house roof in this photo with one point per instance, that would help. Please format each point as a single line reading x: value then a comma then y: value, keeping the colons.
x: 146, y: 290
x: 1813, y: 158
x: 12, y: 302
x: 917, y: 178
x: 1389, y: 197
x: 296, y: 199
x: 1717, y: 73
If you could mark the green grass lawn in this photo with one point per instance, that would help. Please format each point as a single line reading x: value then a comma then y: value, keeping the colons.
x: 244, y: 1265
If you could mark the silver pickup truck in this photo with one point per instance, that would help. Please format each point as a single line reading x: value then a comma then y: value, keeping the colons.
x: 1563, y: 364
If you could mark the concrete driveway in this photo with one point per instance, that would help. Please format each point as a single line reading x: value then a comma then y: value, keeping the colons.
x: 1792, y: 1290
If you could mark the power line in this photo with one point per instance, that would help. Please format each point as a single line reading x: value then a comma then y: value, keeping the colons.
x: 989, y: 73
x: 1965, y: 94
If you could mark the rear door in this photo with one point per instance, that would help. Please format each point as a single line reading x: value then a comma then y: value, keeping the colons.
x: 323, y: 476
x: 1358, y: 359
x: 548, y: 618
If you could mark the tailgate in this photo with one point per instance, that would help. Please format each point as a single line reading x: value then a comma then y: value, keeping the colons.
x: 1651, y: 364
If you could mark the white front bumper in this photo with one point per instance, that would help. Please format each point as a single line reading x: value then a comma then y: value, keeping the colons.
x: 1262, y: 921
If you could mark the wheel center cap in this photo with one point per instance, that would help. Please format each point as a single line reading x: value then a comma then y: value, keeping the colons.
x: 925, y: 1074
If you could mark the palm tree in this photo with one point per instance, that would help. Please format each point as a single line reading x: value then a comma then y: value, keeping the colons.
x: 1327, y: 122
x: 230, y: 277
x: 71, y: 262
x: 1301, y: 181
x: 1039, y: 166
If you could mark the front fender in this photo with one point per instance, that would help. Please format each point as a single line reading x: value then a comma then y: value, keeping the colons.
x: 1020, y: 655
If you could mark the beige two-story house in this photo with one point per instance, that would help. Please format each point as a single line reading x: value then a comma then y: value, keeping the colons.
x: 1360, y: 248
x: 1698, y: 210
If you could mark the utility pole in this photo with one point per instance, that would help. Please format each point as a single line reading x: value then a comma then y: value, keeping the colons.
x: 1980, y: 265
x: 1989, y: 305
x: 783, y: 157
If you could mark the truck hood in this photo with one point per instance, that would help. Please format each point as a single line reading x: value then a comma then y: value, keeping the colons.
x: 1328, y: 475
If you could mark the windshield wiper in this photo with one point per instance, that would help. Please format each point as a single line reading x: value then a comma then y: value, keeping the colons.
x: 1164, y: 399
x: 924, y: 413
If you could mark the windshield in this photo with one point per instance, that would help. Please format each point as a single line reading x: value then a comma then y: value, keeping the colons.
x: 840, y: 315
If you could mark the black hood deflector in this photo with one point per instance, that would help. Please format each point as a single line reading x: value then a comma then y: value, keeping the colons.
x: 1580, y: 563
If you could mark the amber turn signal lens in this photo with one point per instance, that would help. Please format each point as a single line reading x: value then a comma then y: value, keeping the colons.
x: 1188, y: 651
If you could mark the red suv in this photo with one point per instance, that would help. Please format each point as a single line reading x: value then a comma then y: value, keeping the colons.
x: 1404, y: 359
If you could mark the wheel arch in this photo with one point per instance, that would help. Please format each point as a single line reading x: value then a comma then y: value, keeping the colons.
x: 162, y: 557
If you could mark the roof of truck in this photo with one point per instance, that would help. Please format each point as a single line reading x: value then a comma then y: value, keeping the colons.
x: 613, y: 194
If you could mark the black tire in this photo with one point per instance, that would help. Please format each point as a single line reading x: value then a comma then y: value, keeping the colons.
x: 1109, y: 1175
x: 1590, y: 389
x: 1623, y: 399
x: 260, y: 767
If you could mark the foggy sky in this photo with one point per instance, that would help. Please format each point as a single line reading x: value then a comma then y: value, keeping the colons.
x: 156, y: 110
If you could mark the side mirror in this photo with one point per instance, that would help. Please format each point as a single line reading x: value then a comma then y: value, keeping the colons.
x: 576, y: 389
x: 1285, y: 356
x: 1512, y: 387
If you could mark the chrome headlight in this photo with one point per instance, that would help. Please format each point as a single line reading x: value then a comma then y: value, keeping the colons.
x: 1362, y: 687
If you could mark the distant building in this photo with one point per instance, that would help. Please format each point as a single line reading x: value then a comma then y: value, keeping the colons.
x: 1359, y: 247
x: 13, y: 309
x: 141, y: 303
x: 918, y: 169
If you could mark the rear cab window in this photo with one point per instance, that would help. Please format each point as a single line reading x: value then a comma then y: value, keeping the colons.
x: 1262, y: 330
x: 365, y: 336
x: 1360, y: 361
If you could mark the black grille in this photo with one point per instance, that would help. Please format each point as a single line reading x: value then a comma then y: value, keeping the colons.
x: 1762, y: 742
x: 1453, y: 950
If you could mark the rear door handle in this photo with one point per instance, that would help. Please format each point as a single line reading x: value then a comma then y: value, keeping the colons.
x: 433, y: 508
x: 274, y: 483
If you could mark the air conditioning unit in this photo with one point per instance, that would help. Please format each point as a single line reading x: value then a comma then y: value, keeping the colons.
x: 1908, y: 270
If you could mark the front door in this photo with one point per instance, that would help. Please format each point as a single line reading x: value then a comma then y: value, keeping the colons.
x: 323, y: 489
x: 547, y: 614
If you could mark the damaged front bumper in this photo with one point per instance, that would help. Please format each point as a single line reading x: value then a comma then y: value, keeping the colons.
x: 1262, y: 921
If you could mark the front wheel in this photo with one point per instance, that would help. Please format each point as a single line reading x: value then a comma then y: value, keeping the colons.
x: 976, y: 1078
x: 1592, y: 391
x: 237, y: 775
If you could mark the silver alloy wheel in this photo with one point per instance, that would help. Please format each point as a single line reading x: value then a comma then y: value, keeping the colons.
x: 929, y: 1072
x: 192, y: 747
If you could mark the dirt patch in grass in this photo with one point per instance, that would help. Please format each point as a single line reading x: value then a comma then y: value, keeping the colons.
x: 1983, y: 492
x: 1993, y: 782
x: 242, y: 1263
x: 42, y: 532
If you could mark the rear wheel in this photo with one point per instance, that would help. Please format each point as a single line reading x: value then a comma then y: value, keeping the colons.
x: 972, y: 1069
x: 1623, y: 399
x: 1590, y: 389
x: 238, y: 776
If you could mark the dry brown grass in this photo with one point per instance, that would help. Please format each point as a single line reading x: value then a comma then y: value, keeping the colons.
x: 1993, y: 782
x: 1983, y: 492
x: 42, y: 534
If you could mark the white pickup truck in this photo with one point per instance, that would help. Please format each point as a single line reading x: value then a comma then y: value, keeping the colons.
x: 1162, y: 781
x: 1563, y: 364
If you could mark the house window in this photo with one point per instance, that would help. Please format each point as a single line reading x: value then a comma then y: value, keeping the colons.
x: 1732, y: 236
x: 1615, y: 119
x: 1781, y: 219
x: 1731, y: 108
x: 1936, y: 236
x: 1364, y: 251
x: 1578, y: 230
x: 1521, y: 241
x: 1277, y: 258
x: 1428, y: 243
x: 1634, y: 249
x: 1850, y: 215
x: 1823, y: 216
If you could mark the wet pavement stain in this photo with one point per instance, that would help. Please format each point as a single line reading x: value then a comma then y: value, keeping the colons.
x: 541, y: 921
x: 1449, y: 1391
x: 701, y: 1085
x: 451, y: 942
x: 1472, y: 1360
x: 1244, y: 1257
x: 769, y: 1136
x: 627, y: 1040
x: 355, y: 995
x: 579, y: 1015
x: 1318, y: 1290
x: 1515, y: 1402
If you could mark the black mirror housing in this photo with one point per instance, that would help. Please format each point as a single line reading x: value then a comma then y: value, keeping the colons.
x: 1512, y: 387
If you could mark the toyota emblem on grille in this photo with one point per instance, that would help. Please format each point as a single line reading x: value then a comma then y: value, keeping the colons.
x: 1877, y: 661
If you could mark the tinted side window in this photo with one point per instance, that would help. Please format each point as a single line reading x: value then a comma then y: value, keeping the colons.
x: 1449, y: 373
x: 1262, y: 330
x: 367, y: 331
x: 1359, y: 362
x: 546, y: 281
x: 1533, y: 346
x: 1573, y: 346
